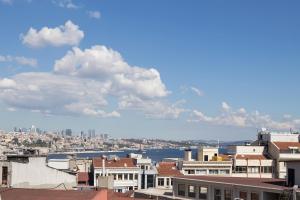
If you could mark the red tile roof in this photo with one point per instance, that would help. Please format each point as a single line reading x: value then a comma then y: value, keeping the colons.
x: 82, y: 177
x: 47, y: 194
x: 269, y: 183
x: 250, y: 157
x: 286, y: 145
x: 167, y: 169
x: 122, y: 162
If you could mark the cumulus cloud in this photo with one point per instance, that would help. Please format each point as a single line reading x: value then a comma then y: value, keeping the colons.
x: 7, y: 83
x: 19, y: 60
x: 65, y: 4
x: 94, y: 14
x: 102, y: 63
x: 242, y: 118
x: 197, y: 91
x: 67, y: 34
x: 85, y: 81
x: 152, y: 108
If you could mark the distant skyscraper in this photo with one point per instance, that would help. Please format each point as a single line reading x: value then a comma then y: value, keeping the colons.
x: 68, y: 132
x: 105, y: 136
x: 91, y: 133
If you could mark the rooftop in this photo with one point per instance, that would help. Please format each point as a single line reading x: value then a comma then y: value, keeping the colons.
x: 286, y: 145
x: 47, y: 194
x: 167, y: 169
x: 250, y: 157
x: 269, y: 183
x: 121, y: 163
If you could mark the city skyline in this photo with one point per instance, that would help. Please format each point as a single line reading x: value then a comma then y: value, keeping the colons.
x: 170, y: 70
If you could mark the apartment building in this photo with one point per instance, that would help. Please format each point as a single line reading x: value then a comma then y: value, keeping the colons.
x: 126, y: 174
x: 281, y: 147
x: 148, y: 171
x: 165, y: 173
x: 228, y: 188
x: 208, y: 162
x: 251, y: 161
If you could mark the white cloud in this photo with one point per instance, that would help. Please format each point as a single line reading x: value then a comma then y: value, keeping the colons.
x: 85, y: 82
x: 65, y: 4
x: 225, y: 106
x: 242, y: 118
x: 102, y: 63
x: 94, y: 14
x: 68, y: 34
x: 19, y: 60
x: 7, y: 83
x: 197, y: 91
x: 152, y: 108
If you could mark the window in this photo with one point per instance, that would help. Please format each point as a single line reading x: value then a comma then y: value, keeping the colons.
x: 4, y: 175
x: 115, y: 176
x: 136, y: 176
x: 227, y: 195
x: 240, y: 169
x: 125, y: 176
x: 254, y: 196
x: 266, y: 169
x: 130, y: 176
x: 190, y: 171
x: 119, y: 176
x: 191, y: 191
x: 161, y: 181
x: 201, y: 171
x: 168, y: 181
x: 202, y: 192
x: 253, y: 170
x: 171, y: 181
x: 243, y: 195
x: 213, y: 171
x: 205, y: 157
x: 217, y: 194
x: 224, y: 171
x: 181, y: 190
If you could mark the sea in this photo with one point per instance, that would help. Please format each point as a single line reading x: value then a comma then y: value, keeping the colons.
x: 156, y: 155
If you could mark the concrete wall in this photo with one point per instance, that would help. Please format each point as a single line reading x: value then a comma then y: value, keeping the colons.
x: 249, y: 150
x: 210, y: 152
x: 35, y: 174
x: 59, y: 163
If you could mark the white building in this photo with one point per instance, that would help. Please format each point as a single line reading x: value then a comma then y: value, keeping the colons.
x: 250, y: 161
x: 125, y: 172
x: 282, y: 147
x: 33, y: 172
x: 208, y: 162
x: 148, y: 171
x: 166, y: 171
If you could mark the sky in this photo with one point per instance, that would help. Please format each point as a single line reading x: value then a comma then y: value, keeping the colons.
x: 151, y: 69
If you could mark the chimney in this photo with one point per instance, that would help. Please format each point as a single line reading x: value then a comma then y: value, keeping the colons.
x: 187, y: 155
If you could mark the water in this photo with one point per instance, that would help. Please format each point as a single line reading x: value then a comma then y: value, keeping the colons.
x: 155, y: 154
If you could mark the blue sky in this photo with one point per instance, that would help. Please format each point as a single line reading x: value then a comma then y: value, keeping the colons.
x: 221, y: 69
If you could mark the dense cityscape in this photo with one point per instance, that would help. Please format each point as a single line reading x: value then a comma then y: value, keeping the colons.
x: 137, y: 100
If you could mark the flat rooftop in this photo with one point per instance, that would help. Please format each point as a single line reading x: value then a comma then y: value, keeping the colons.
x: 267, y: 183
